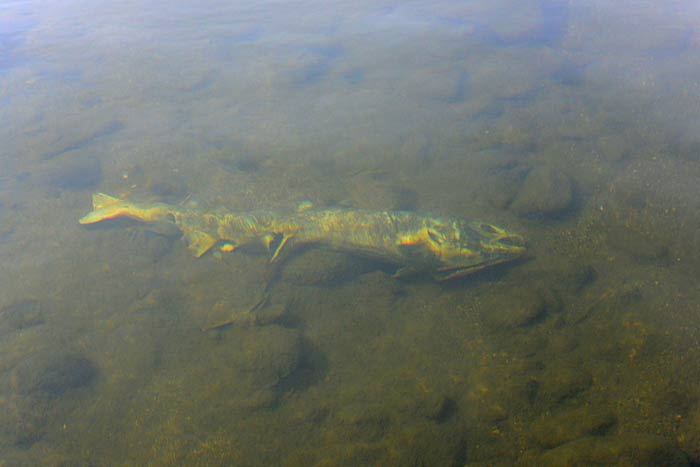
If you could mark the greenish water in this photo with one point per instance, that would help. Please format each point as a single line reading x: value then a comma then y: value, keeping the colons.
x: 574, y: 124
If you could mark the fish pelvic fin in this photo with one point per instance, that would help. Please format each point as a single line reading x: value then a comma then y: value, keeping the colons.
x: 275, y: 243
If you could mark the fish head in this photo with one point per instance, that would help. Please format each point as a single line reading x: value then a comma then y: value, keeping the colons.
x: 463, y: 247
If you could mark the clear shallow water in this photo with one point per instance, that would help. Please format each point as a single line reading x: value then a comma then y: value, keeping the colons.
x: 574, y: 124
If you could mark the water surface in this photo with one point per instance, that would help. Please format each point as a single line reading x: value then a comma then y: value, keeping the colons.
x: 572, y: 123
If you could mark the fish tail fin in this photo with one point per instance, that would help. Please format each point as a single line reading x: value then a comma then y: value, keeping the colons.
x: 102, y: 200
x: 108, y: 207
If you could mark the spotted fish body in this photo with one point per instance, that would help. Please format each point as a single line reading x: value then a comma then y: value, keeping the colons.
x: 441, y: 246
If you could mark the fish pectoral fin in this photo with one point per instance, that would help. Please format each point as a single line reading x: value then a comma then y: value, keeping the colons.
x: 199, y: 242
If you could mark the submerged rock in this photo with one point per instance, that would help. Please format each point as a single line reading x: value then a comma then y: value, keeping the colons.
x: 265, y: 355
x: 23, y: 419
x: 520, y: 307
x: 19, y: 315
x: 689, y: 434
x: 567, y: 425
x: 168, y: 190
x: 641, y: 247
x: 74, y: 171
x: 318, y: 266
x: 546, y: 192
x: 631, y: 449
x: 436, y: 406
x: 501, y: 186
x: 559, y: 384
x: 53, y: 375
x: 427, y: 444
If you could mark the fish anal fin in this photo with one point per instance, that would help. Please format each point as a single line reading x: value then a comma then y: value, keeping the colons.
x: 199, y: 242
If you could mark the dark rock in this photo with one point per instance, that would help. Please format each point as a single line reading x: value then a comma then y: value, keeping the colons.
x: 537, y: 23
x: 159, y: 300
x: 248, y: 164
x: 371, y: 190
x: 615, y: 148
x: 577, y: 277
x: 406, y: 200
x: 77, y: 172
x: 20, y: 315
x: 53, y: 375
x: 631, y: 449
x: 562, y: 343
x: 501, y: 185
x: 267, y: 355
x: 519, y: 307
x: 348, y: 455
x: 361, y: 423
x: 7, y: 229
x: 76, y: 136
x: 436, y: 407
x: 23, y: 419
x: 546, y: 192
x: 619, y: 298
x: 569, y: 73
x: 431, y: 445
x: 559, y: 384
x: 493, y: 413
x: 171, y: 190
x: 317, y: 266
x: 640, y: 246
x: 567, y: 425
x: 270, y: 314
x: 689, y: 435
x: 153, y: 244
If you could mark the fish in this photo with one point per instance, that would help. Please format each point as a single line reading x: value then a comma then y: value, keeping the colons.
x: 443, y: 247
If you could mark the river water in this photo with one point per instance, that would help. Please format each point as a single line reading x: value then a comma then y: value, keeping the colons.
x: 573, y: 123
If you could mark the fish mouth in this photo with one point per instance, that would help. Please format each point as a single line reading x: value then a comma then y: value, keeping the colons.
x: 504, y: 250
x: 517, y: 242
x: 505, y: 247
x: 452, y: 272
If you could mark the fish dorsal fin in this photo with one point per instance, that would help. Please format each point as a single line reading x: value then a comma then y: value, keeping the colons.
x: 101, y: 200
x: 305, y: 206
x: 199, y: 242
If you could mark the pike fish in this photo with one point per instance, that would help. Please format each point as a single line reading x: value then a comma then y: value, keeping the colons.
x: 443, y: 247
